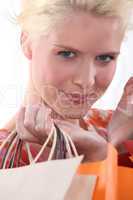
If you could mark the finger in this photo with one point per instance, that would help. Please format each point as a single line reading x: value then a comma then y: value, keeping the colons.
x: 68, y: 125
x: 130, y: 81
x: 128, y: 89
x: 22, y: 131
x: 74, y: 131
x: 30, y: 117
x: 43, y: 121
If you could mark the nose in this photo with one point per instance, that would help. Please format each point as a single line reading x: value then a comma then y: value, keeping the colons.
x: 85, y: 77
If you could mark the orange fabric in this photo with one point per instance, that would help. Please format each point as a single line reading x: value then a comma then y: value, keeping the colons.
x: 99, y: 118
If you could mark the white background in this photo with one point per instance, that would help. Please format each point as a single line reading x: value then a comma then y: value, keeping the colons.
x: 14, y: 66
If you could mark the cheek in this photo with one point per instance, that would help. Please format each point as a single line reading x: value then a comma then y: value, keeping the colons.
x: 46, y: 71
x: 104, y: 76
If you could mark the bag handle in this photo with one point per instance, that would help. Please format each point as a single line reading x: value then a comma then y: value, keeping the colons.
x: 69, y: 145
x: 13, y: 139
x: 14, y: 146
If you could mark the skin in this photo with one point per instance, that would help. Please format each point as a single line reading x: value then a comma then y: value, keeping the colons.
x: 55, y: 68
x: 81, y: 60
x: 121, y: 125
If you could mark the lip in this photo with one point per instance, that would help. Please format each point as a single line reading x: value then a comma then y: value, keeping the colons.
x: 76, y: 98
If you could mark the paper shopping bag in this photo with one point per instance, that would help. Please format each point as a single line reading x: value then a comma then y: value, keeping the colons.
x: 41, y: 181
x: 125, y: 183
x: 48, y: 180
x: 81, y: 188
x: 106, y: 186
x: 113, y: 182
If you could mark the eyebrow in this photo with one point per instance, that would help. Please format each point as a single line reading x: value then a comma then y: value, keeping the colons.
x: 67, y: 47
x: 113, y: 53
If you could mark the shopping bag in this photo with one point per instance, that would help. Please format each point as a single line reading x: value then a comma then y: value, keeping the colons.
x: 42, y: 181
x: 113, y: 182
x: 125, y: 183
x: 49, y: 180
x: 81, y: 188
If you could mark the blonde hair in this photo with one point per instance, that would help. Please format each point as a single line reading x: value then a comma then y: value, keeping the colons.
x: 38, y: 16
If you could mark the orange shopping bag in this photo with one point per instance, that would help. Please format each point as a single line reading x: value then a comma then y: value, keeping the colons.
x: 125, y: 183
x: 113, y: 182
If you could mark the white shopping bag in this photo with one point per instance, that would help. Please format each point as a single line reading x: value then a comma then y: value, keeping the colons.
x: 81, y: 188
x: 41, y: 181
x: 49, y: 180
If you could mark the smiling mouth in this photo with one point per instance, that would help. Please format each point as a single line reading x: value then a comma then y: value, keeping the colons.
x: 77, y: 98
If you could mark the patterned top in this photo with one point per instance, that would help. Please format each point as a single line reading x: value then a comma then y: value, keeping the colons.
x: 95, y: 119
x: 101, y: 119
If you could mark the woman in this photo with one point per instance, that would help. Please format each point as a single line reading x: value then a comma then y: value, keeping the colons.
x: 70, y: 68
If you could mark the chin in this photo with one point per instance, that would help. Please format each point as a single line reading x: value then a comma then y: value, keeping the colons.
x: 72, y: 113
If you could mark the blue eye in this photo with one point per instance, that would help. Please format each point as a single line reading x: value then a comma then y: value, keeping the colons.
x: 67, y: 54
x: 105, y: 58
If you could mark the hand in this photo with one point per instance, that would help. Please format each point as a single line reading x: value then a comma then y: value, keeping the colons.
x: 32, y: 128
x: 33, y: 123
x: 91, y: 144
x: 121, y: 125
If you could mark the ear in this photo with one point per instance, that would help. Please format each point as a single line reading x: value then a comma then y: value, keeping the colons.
x: 26, y: 45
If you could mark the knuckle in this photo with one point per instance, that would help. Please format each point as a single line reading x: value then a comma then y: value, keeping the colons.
x: 43, y: 130
x: 28, y: 124
x: 39, y: 128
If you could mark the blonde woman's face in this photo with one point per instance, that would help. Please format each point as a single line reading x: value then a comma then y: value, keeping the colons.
x: 73, y: 65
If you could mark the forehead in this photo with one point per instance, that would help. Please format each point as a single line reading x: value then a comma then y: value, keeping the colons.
x: 83, y: 31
